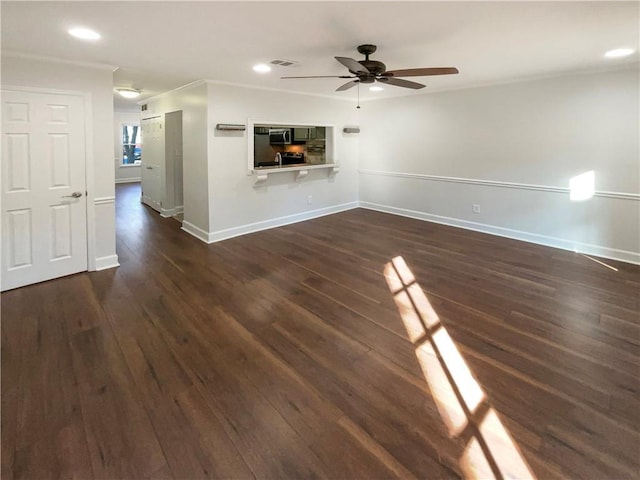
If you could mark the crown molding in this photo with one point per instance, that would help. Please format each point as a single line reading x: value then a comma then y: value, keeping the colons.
x: 64, y: 61
x: 279, y: 90
x: 195, y: 83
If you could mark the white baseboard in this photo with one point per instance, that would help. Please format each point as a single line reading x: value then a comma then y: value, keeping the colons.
x: 217, y: 236
x: 596, y: 250
x: 128, y: 180
x: 197, y: 232
x: 110, y: 261
x: 278, y: 222
x: 171, y: 212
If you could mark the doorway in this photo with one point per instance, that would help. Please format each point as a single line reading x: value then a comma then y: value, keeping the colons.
x: 162, y: 163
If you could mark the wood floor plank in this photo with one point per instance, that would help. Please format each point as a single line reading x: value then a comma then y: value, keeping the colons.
x: 163, y: 474
x: 564, y: 359
x: 152, y: 365
x: 584, y: 429
x: 270, y: 446
x: 532, y: 368
x: 359, y: 328
x: 9, y: 430
x: 282, y: 354
x: 620, y: 328
x: 290, y: 395
x: 372, y: 446
x: 79, y: 303
x: 12, y: 307
x: 121, y: 439
x: 353, y: 462
x: 194, y: 442
x: 61, y: 455
x: 48, y: 395
x: 228, y: 388
x: 395, y: 437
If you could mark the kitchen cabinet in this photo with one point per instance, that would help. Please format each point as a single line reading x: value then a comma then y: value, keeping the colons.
x: 303, y: 134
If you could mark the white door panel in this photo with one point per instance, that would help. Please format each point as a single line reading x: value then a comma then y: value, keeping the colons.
x: 152, y: 172
x: 44, y: 209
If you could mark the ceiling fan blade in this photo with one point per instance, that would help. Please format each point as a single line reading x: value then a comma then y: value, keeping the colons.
x: 352, y: 65
x: 421, y: 72
x: 347, y: 85
x: 399, y: 82
x: 324, y: 76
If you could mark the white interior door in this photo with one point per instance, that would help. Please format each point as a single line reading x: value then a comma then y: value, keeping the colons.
x: 44, y: 207
x: 152, y: 162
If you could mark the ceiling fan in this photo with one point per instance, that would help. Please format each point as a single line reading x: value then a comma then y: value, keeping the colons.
x: 369, y: 71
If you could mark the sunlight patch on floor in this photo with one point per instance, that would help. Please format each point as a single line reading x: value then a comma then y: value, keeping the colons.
x: 600, y: 262
x: 490, y: 452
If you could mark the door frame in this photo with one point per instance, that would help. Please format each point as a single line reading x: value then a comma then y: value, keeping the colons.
x: 87, y: 103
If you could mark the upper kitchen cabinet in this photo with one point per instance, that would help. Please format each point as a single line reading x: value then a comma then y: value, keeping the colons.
x: 303, y: 134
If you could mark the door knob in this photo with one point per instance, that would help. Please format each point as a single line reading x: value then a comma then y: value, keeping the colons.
x: 73, y: 195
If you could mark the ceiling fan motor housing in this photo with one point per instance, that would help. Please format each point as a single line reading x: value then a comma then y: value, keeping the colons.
x: 375, y: 67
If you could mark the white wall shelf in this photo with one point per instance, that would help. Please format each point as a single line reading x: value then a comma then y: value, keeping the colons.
x: 261, y: 175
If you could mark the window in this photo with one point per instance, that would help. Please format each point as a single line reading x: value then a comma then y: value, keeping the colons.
x: 131, y: 144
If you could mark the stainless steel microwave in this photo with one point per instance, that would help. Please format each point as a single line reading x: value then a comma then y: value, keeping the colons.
x: 280, y: 136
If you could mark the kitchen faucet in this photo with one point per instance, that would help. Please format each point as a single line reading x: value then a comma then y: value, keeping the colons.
x: 279, y: 159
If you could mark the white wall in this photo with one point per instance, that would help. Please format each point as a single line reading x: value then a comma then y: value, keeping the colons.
x: 124, y: 173
x: 237, y: 204
x: 98, y: 83
x: 512, y: 149
x: 192, y: 101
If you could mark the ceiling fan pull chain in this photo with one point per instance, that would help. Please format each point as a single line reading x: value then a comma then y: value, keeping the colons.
x: 358, y: 95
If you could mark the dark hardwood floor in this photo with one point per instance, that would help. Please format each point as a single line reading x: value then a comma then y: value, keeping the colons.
x: 284, y: 354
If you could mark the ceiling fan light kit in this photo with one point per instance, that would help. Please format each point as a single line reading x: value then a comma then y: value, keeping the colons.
x: 128, y: 92
x: 84, y: 33
x: 261, y: 68
x: 370, y: 71
x: 619, y: 52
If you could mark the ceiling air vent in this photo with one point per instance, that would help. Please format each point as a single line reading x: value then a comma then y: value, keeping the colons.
x: 283, y: 63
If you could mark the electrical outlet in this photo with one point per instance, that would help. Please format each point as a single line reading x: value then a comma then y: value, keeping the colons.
x: 476, y: 208
x: 309, y: 199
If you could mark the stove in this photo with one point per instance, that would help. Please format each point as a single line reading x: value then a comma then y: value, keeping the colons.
x: 292, y: 158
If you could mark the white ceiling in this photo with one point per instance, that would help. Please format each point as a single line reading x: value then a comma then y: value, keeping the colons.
x: 158, y: 46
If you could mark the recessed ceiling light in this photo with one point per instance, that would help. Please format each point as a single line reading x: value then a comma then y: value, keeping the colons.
x: 262, y: 68
x: 376, y: 89
x: 84, y: 34
x: 619, y: 52
x: 128, y: 92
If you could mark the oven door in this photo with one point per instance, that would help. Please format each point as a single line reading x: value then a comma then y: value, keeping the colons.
x: 292, y: 159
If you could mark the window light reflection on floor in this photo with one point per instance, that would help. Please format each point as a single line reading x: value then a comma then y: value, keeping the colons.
x: 490, y: 451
